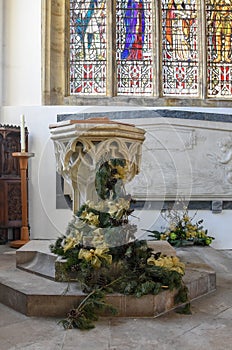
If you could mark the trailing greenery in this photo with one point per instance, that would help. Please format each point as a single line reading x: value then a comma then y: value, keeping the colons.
x: 141, y: 271
x: 100, y: 249
x: 109, y: 178
x: 135, y: 270
x: 87, y: 311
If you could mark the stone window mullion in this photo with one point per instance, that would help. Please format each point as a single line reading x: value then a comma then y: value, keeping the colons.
x: 53, y: 45
x: 203, y: 49
x: 111, y: 86
x: 67, y: 47
x: 157, y: 50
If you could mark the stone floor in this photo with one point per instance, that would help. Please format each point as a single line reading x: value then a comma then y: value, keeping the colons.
x: 208, y: 328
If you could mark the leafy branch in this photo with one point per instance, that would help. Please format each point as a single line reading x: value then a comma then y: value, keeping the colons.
x: 88, y: 310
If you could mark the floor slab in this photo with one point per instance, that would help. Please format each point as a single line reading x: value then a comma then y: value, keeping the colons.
x: 208, y: 326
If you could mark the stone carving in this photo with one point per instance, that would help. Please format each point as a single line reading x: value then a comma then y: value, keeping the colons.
x: 166, y: 170
x: 224, y: 159
x: 82, y: 147
x: 182, y: 161
x: 163, y: 137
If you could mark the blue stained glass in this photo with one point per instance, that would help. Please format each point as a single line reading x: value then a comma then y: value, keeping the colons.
x: 135, y: 27
x: 88, y: 46
x: 134, y: 47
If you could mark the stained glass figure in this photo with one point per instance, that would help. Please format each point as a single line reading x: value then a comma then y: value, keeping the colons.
x: 135, y: 27
x: 219, y: 31
x: 180, y: 61
x: 134, y: 47
x: 87, y: 47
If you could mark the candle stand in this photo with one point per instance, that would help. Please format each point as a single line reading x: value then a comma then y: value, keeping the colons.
x: 23, y: 163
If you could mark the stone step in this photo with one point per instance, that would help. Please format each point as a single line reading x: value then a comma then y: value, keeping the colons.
x: 32, y: 294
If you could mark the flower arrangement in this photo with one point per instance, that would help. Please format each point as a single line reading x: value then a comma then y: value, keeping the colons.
x: 181, y: 230
x: 101, y: 250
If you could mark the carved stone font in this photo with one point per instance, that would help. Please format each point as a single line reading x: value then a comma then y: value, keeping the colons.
x: 81, y: 147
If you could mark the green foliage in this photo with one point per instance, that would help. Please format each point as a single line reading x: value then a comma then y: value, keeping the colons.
x: 88, y: 311
x: 133, y: 276
x: 101, y: 251
x: 184, y: 310
x: 107, y: 177
x: 181, y: 231
x: 182, y: 295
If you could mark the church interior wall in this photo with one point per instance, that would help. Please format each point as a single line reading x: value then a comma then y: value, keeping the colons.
x: 1, y: 50
x: 48, y: 222
x: 22, y: 52
x: 20, y: 73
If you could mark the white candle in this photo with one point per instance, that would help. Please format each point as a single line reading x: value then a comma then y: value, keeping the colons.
x: 22, y: 133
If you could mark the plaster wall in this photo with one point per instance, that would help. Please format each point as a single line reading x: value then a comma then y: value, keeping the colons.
x: 1, y: 51
x: 22, y: 52
x: 20, y: 92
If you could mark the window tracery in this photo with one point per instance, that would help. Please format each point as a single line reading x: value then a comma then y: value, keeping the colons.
x: 166, y: 49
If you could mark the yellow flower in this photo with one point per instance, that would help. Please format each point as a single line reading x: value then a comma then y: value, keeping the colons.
x: 118, y: 208
x: 189, y: 226
x: 113, y: 208
x: 186, y: 218
x: 122, y: 172
x: 96, y: 256
x: 122, y: 202
x: 83, y: 214
x: 70, y: 241
x: 201, y: 234
x: 172, y: 227
x: 168, y: 262
x: 92, y: 219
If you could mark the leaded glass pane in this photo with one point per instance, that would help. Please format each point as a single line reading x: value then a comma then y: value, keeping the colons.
x: 219, y: 31
x: 180, y: 57
x: 87, y: 47
x: 134, y: 47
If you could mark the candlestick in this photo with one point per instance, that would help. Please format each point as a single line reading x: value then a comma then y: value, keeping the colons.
x: 23, y: 162
x: 22, y: 133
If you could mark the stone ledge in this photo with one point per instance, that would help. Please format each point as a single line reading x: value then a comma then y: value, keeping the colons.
x: 35, y: 257
x: 34, y: 295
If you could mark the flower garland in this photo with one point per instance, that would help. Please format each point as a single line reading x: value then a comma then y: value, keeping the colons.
x: 100, y: 248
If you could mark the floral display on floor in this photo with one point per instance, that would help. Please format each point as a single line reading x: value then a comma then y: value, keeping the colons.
x: 182, y: 230
x: 101, y: 251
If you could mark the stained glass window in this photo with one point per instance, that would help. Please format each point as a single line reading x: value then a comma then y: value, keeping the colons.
x: 180, y: 59
x: 88, y: 46
x: 151, y: 48
x: 134, y: 47
x: 219, y: 30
